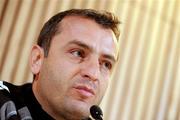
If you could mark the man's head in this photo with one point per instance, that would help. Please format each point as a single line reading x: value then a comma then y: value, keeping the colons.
x: 73, y: 61
x: 53, y: 25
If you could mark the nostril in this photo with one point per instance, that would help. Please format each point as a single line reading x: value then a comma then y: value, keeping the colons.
x: 91, y: 78
x: 86, y: 76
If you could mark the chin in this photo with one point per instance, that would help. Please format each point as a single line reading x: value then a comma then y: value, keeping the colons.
x: 79, y: 108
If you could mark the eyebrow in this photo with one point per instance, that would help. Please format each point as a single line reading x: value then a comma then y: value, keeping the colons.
x: 81, y: 44
x: 85, y: 46
x: 110, y: 57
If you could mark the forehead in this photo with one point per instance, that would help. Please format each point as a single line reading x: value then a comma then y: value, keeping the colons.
x: 89, y: 32
x: 84, y: 23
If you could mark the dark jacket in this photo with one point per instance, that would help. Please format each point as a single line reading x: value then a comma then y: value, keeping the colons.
x: 19, y: 103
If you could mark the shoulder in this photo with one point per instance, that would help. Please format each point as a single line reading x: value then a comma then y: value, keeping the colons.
x: 11, y: 99
x: 5, y: 97
x: 9, y: 91
x: 6, y: 91
x: 7, y: 88
x: 4, y: 86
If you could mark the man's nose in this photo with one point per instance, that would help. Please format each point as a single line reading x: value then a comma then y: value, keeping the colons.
x: 91, y: 69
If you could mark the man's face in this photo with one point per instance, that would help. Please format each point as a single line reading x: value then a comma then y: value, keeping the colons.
x: 75, y: 74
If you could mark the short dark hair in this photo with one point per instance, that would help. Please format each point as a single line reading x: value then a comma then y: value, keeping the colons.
x: 50, y: 28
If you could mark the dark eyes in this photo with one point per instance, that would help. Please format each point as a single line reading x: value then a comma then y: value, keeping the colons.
x: 81, y: 54
x: 78, y: 53
x: 106, y: 65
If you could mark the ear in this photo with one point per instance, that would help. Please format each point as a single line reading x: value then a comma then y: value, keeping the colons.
x: 36, y: 59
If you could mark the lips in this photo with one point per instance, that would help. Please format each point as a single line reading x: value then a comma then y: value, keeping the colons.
x: 85, y: 90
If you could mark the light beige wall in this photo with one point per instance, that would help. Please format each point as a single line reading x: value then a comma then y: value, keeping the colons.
x: 146, y: 85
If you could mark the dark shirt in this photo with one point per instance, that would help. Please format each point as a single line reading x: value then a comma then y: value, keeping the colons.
x: 19, y: 103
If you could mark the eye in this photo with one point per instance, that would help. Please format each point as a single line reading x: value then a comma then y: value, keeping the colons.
x: 78, y: 53
x: 106, y: 65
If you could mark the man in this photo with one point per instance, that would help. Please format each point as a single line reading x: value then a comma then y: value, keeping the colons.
x: 72, y: 64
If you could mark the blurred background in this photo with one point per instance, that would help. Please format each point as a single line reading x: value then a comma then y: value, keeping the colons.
x: 146, y: 84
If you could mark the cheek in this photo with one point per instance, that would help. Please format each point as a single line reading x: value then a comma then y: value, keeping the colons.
x: 64, y: 72
x: 103, y: 86
x: 56, y: 81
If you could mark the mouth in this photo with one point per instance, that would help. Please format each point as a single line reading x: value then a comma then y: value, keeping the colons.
x: 85, y: 91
